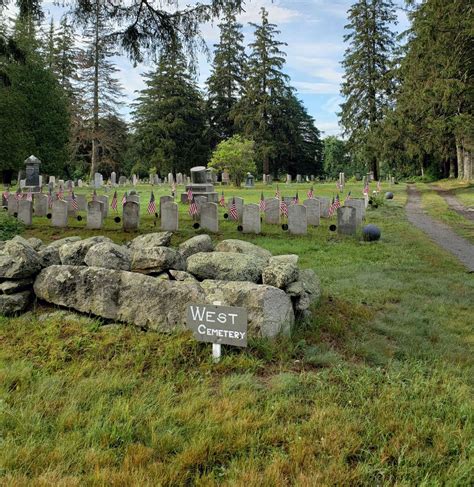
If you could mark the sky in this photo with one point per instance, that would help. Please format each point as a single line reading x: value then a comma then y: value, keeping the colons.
x: 313, y: 31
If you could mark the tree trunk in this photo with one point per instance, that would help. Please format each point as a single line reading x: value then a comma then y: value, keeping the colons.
x: 467, y: 156
x: 459, y: 159
x: 452, y: 167
x: 95, y: 128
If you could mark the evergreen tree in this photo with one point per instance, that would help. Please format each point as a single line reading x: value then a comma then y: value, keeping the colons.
x: 336, y: 157
x: 169, y: 117
x: 260, y: 109
x: 102, y: 90
x: 368, y: 79
x: 226, y: 80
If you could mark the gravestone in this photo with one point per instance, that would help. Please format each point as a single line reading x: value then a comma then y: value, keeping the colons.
x: 59, y: 213
x: 297, y: 220
x: 251, y: 222
x: 79, y: 183
x: 69, y: 184
x: 122, y: 181
x: 313, y: 211
x: 298, y: 178
x: 134, y: 179
x: 105, y: 200
x: 179, y: 178
x: 52, y: 181
x: 113, y: 178
x: 288, y: 178
x: 324, y: 204
x: 170, y: 178
x: 342, y: 180
x: 225, y: 177
x: 131, y: 216
x: 12, y: 204
x: 272, y: 211
x: 289, y: 200
x: 22, y: 183
x: 32, y: 172
x: 98, y: 180
x: 163, y: 200
x: 25, y: 212
x: 359, y: 205
x: 133, y: 196
x: 169, y: 216
x: 40, y: 204
x: 346, y: 220
x: 61, y: 185
x: 249, y: 180
x: 210, y: 217
x: 95, y: 215
x: 239, y: 204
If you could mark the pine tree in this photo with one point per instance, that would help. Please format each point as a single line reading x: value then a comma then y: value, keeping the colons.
x: 368, y: 79
x: 102, y: 90
x: 169, y: 117
x: 259, y: 110
x: 227, y: 76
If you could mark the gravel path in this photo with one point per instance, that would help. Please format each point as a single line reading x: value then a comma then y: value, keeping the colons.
x: 438, y: 232
x: 455, y: 204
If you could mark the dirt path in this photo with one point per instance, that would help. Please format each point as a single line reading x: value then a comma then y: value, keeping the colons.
x: 454, y: 203
x: 438, y: 232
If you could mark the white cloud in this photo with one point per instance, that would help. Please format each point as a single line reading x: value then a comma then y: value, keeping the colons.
x: 316, y: 87
x: 277, y: 14
x: 329, y: 128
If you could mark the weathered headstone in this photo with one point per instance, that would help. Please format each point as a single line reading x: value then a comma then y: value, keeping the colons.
x: 105, y: 200
x: 251, y: 222
x: 225, y: 177
x: 69, y: 184
x: 249, y: 180
x: 79, y: 183
x: 12, y: 204
x: 313, y: 211
x: 288, y: 178
x: 359, y: 205
x: 134, y: 179
x: 210, y: 217
x: 272, y: 211
x: 133, y: 196
x: 346, y: 220
x: 113, y: 178
x: 122, y: 180
x: 298, y: 178
x: 32, y: 172
x: 95, y: 215
x: 179, y: 178
x: 324, y: 206
x: 163, y: 200
x: 98, y: 180
x: 81, y: 202
x: 40, y: 204
x: 342, y: 180
x: 170, y: 178
x: 59, y: 213
x: 297, y: 220
x: 169, y: 216
x: 131, y: 216
x: 25, y: 211
x: 52, y: 180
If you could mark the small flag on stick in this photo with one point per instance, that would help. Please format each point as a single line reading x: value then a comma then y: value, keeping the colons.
x: 277, y: 193
x: 283, y: 208
x: 124, y: 198
x: 296, y: 199
x: 151, y: 205
x: 193, y: 208
x: 222, y: 200
x: 233, y: 210
x: 74, y: 203
x: 190, y: 195
x: 114, y: 201
x: 310, y: 193
x: 348, y: 197
x: 262, y: 203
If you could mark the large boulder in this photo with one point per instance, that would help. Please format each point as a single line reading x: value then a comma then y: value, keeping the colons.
x: 130, y: 297
x: 75, y: 252
x: 159, y: 239
x: 108, y: 255
x: 269, y: 309
x: 36, y: 243
x: 11, y: 304
x: 13, y: 286
x: 311, y: 284
x: 181, y: 276
x: 50, y: 254
x: 242, y: 247
x: 18, y: 259
x: 153, y: 260
x: 286, y: 258
x: 199, y: 243
x: 227, y: 266
x: 280, y: 273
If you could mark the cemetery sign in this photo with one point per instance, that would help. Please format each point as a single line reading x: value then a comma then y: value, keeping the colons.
x: 218, y: 324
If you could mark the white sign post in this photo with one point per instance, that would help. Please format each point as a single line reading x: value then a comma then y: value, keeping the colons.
x: 218, y: 325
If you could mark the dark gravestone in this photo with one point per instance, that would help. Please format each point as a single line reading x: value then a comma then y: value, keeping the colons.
x: 32, y: 172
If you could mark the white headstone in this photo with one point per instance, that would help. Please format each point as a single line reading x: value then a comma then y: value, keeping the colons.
x: 251, y: 222
x: 297, y: 220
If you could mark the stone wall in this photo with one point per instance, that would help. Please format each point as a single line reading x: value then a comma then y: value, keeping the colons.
x: 149, y: 284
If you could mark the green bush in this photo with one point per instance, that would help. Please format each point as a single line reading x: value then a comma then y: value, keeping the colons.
x: 9, y: 227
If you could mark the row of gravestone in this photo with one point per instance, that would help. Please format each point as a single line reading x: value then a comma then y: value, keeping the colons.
x: 249, y: 216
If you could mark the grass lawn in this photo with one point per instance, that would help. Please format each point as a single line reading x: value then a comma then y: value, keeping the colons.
x: 463, y: 191
x: 375, y: 390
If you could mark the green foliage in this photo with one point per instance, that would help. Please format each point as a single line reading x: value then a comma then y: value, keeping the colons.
x: 169, y: 118
x: 368, y: 78
x: 9, y: 227
x: 236, y: 155
x: 336, y: 157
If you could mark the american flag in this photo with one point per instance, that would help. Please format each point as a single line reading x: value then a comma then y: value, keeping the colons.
x: 233, y: 210
x: 50, y: 198
x: 262, y: 203
x: 74, y: 204
x: 190, y: 195
x: 193, y: 208
x: 114, y: 202
x: 277, y: 193
x: 337, y: 203
x: 151, y: 205
x: 222, y: 200
x: 348, y: 197
x: 310, y: 193
x: 124, y: 198
x: 29, y: 195
x: 366, y: 187
x: 331, y: 207
x: 296, y: 199
x: 18, y: 194
x: 283, y: 208
x: 94, y: 195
